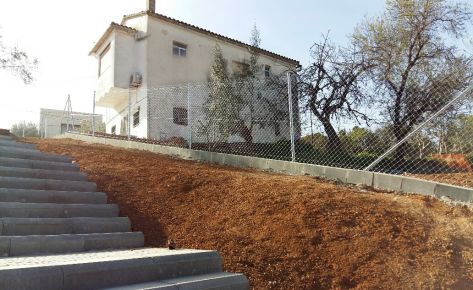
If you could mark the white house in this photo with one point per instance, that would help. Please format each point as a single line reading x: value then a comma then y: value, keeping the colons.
x: 56, y: 122
x: 147, y: 51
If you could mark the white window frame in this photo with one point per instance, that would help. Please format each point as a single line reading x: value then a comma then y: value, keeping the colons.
x: 136, y: 121
x: 267, y: 71
x: 102, y: 56
x: 179, y: 49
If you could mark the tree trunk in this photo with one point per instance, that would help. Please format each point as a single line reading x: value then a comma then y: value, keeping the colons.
x: 334, y: 142
x: 400, y: 132
x: 245, y: 132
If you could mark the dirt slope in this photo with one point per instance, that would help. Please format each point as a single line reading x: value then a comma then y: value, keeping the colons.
x: 285, y: 232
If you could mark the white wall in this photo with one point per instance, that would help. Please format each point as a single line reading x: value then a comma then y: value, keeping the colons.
x: 152, y: 56
x: 107, y: 79
x: 51, y: 121
x: 115, y: 115
x: 164, y: 68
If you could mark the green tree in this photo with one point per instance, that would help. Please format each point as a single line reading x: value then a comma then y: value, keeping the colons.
x: 415, y: 72
x: 86, y: 126
x: 222, y: 108
x: 317, y: 140
x: 453, y: 133
x: 25, y: 129
x: 359, y: 140
x: 247, y: 88
x: 243, y: 99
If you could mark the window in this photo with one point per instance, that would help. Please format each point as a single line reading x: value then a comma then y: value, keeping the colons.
x: 105, y: 60
x: 267, y: 71
x: 179, y: 116
x: 179, y: 49
x: 240, y: 68
x: 136, y: 118
x: 114, y: 129
x: 277, y: 129
x: 124, y: 126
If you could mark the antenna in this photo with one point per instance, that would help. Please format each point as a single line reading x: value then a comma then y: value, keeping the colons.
x: 68, y: 113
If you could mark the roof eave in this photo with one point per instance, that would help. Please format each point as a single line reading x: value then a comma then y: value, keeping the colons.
x: 113, y: 26
x: 213, y: 34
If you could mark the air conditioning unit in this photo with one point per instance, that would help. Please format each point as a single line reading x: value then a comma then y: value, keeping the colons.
x: 136, y: 80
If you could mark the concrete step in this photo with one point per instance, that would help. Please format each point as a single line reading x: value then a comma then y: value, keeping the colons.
x: 37, y: 164
x: 19, y: 149
x: 14, y: 144
x: 6, y: 137
x: 47, y: 184
x: 42, y: 173
x: 220, y: 281
x: 60, y: 226
x: 32, y: 155
x: 96, y: 270
x: 52, y: 210
x: 60, y: 244
x: 51, y: 196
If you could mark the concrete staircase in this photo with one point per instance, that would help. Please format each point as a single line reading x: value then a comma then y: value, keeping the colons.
x: 57, y: 232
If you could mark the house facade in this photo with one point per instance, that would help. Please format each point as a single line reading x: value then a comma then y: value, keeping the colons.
x: 148, y: 51
x: 53, y: 123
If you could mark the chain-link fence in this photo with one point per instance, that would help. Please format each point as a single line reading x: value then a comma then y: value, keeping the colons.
x: 426, y: 132
x: 238, y: 117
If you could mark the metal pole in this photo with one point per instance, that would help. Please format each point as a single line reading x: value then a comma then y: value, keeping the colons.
x: 68, y: 112
x: 72, y: 115
x: 291, y: 121
x: 129, y: 114
x: 189, y: 116
x: 408, y: 136
x: 45, y: 128
x: 23, y: 133
x: 93, y: 117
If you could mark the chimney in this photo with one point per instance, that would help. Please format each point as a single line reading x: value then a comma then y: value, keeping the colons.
x: 151, y: 5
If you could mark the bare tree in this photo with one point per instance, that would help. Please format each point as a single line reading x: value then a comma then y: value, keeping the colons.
x: 414, y: 71
x: 332, y: 87
x: 17, y: 61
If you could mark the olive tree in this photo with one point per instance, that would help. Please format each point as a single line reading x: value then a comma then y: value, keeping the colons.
x: 331, y: 87
x: 415, y: 66
x: 25, y: 129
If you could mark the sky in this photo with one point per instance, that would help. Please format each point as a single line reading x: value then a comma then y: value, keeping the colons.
x: 61, y: 33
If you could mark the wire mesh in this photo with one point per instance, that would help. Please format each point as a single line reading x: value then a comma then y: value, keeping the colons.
x: 238, y: 117
x: 425, y: 132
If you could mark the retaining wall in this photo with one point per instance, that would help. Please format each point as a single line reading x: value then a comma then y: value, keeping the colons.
x: 351, y: 176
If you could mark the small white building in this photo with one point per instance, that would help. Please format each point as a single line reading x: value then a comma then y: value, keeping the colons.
x: 57, y: 122
x: 149, y: 50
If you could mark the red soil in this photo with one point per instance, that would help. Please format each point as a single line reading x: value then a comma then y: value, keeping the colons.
x: 457, y: 161
x: 285, y: 232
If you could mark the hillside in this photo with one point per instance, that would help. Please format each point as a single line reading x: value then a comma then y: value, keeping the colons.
x: 285, y: 232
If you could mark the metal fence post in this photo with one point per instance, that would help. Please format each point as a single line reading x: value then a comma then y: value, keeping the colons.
x: 291, y: 119
x: 93, y: 117
x: 129, y: 114
x: 189, y: 115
